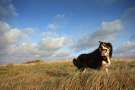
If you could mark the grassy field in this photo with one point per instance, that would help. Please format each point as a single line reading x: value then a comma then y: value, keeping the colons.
x: 64, y: 76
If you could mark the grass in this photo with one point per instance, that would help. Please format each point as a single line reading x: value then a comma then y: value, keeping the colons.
x: 64, y: 76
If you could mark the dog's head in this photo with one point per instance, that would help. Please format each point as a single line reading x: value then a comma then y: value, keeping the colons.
x: 105, y: 49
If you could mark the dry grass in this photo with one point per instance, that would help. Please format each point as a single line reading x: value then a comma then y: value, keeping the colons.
x: 64, y: 76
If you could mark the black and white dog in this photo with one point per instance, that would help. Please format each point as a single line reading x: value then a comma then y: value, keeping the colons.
x: 100, y: 58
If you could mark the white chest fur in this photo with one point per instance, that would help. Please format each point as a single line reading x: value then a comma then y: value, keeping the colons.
x: 106, y: 63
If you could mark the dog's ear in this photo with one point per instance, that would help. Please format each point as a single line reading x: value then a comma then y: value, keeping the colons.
x: 111, y: 49
x: 109, y: 44
x: 100, y: 41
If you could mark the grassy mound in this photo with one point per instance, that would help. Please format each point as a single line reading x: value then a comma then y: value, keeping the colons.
x: 64, y: 76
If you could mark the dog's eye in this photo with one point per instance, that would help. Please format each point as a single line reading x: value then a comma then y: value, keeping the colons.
x: 105, y: 50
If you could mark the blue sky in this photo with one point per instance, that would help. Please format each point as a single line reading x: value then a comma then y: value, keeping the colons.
x: 39, y: 13
x: 84, y: 13
x: 62, y: 29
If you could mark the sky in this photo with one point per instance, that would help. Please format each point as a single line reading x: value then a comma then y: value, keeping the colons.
x: 62, y: 29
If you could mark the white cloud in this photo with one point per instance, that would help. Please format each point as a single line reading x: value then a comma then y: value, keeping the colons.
x: 127, y: 49
x: 53, y: 43
x: 53, y: 27
x: 16, y: 45
x: 111, y: 26
x: 4, y: 27
x: 13, y: 35
x: 7, y: 9
x: 11, y: 40
x: 63, y: 54
x: 106, y: 32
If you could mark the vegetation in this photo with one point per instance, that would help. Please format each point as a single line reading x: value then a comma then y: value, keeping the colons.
x: 64, y: 76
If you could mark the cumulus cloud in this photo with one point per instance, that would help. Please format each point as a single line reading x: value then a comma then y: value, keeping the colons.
x: 127, y: 49
x: 7, y: 9
x: 62, y: 54
x: 52, y: 41
x: 106, y: 32
x: 3, y: 41
x: 16, y: 45
x: 16, y: 35
x: 10, y: 39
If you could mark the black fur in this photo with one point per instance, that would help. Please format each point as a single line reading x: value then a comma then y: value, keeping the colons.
x: 91, y: 60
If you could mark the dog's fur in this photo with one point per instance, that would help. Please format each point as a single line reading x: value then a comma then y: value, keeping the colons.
x: 95, y: 59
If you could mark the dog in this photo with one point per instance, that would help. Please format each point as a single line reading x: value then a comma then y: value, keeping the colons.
x: 99, y: 58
